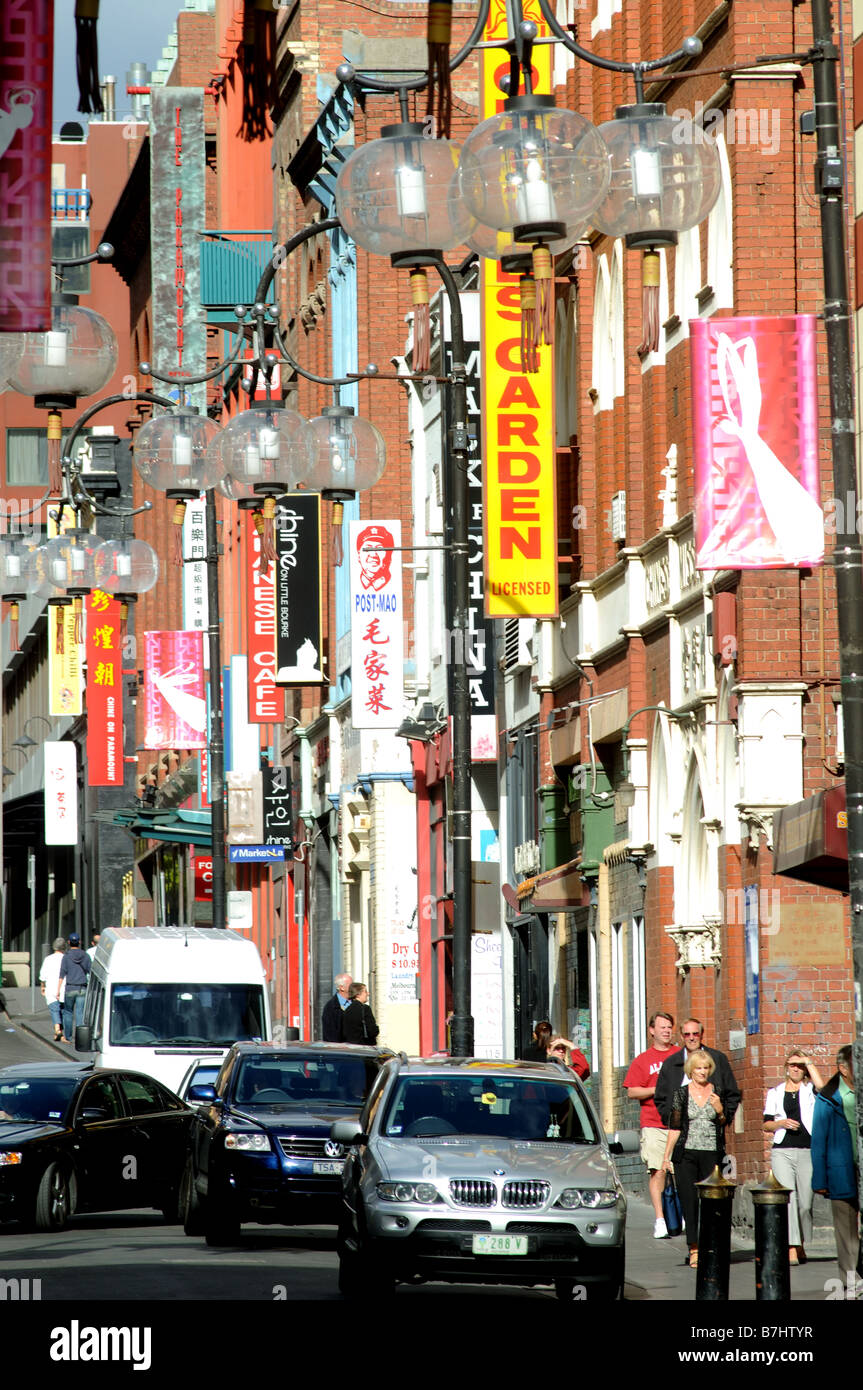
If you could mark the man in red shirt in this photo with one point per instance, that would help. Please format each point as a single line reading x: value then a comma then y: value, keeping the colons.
x: 640, y: 1083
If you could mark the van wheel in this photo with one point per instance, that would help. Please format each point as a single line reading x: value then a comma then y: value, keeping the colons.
x: 54, y: 1202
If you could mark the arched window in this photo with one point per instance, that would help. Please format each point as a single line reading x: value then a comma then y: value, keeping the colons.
x: 565, y: 357
x: 616, y: 321
x: 602, y: 370
x: 687, y: 280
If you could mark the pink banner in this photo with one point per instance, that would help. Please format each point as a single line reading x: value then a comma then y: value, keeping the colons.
x: 755, y: 439
x: 175, y: 710
x: 26, y: 76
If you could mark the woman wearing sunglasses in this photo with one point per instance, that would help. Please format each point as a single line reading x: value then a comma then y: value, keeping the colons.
x: 788, y: 1112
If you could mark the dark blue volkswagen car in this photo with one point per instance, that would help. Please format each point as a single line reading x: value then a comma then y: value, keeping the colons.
x: 260, y: 1140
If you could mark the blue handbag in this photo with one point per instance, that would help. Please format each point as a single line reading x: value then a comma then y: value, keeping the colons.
x: 671, y: 1208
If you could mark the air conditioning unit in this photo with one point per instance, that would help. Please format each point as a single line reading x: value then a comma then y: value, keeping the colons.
x: 517, y: 637
x: 618, y: 516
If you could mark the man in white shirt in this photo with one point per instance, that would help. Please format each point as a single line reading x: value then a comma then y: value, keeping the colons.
x: 53, y: 988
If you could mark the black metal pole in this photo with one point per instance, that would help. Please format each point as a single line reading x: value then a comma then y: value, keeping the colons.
x: 715, y: 1201
x: 456, y: 466
x: 216, y: 740
x: 830, y: 182
x: 772, y: 1267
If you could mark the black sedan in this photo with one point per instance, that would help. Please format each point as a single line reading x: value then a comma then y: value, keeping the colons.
x: 261, y: 1147
x: 74, y: 1138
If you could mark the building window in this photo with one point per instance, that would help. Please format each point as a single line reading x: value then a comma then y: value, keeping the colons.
x: 26, y: 458
x: 639, y: 987
x: 618, y: 994
x: 69, y: 241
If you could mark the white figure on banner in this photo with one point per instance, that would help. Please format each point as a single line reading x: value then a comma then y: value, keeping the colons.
x: 192, y: 709
x: 18, y: 117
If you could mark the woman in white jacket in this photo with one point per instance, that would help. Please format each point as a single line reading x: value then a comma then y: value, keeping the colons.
x: 788, y: 1110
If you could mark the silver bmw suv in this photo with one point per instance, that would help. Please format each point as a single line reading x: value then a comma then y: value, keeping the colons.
x: 471, y: 1170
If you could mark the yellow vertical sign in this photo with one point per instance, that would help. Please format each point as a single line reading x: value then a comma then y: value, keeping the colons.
x: 64, y: 666
x: 520, y: 501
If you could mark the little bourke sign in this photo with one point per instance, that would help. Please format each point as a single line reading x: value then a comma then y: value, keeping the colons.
x: 517, y: 408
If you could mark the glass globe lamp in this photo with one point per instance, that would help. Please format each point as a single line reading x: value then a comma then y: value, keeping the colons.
x: 351, y: 453
x: 16, y: 563
x: 533, y: 168
x: 76, y: 357
x: 665, y: 176
x: 125, y: 566
x: 262, y: 452
x: 400, y: 195
x: 173, y: 453
x: 496, y: 246
x: 65, y: 564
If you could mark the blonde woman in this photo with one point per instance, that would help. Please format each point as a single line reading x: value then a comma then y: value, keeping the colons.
x: 788, y: 1111
x: 696, y: 1138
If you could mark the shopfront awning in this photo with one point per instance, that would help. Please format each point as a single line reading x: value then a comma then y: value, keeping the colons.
x: 556, y: 890
x: 810, y: 840
x: 179, y: 827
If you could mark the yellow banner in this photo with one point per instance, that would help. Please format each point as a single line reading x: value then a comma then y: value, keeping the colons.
x: 64, y: 667
x: 517, y: 408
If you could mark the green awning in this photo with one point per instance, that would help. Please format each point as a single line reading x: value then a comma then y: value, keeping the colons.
x: 180, y: 827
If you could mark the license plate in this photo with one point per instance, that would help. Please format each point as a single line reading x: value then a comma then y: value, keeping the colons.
x: 331, y: 1166
x: 500, y: 1245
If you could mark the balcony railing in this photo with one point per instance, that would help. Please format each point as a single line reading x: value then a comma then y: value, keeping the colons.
x: 70, y: 204
x: 232, y: 263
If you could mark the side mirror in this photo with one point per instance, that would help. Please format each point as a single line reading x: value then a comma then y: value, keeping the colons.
x: 624, y: 1141
x: 347, y: 1132
x: 93, y: 1112
x: 201, y: 1095
x: 83, y: 1038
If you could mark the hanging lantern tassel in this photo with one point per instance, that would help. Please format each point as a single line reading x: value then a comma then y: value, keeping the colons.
x: 422, y: 321
x: 55, y: 466
x: 529, y: 352
x: 649, y: 302
x: 268, y: 534
x: 60, y: 628
x: 179, y: 518
x: 124, y: 617
x: 89, y: 95
x: 14, y: 644
x: 337, y: 553
x: 543, y: 274
x: 439, y: 33
x: 77, y: 620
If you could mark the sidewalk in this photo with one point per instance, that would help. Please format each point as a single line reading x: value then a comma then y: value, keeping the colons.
x: 655, y: 1269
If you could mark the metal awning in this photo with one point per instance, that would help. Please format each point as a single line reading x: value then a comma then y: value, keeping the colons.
x: 180, y: 827
x: 556, y: 890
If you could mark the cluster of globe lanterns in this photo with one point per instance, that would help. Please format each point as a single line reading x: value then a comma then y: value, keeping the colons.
x: 532, y: 176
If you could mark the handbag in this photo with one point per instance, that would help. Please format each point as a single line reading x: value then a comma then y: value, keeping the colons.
x: 671, y: 1208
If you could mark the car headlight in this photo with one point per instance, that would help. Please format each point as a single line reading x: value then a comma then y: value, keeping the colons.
x: 423, y: 1192
x: 249, y: 1143
x: 11, y: 1158
x: 589, y: 1197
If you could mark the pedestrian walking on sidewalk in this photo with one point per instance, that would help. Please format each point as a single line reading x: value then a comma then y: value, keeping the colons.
x: 788, y: 1111
x: 74, y: 969
x: 53, y: 988
x: 834, y: 1164
x: 696, y: 1138
x: 640, y: 1083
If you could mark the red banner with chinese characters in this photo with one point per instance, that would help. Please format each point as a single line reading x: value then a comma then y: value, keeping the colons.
x: 104, y: 691
x: 755, y: 433
x: 26, y: 77
x: 266, y: 699
x: 175, y: 710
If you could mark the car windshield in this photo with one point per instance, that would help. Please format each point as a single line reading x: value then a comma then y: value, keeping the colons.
x: 36, y: 1099
x: 498, y: 1107
x: 143, y: 1015
x: 297, y: 1080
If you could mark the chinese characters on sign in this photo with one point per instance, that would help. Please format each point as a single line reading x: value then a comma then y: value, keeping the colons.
x: 104, y: 691
x: 266, y: 701
x: 61, y: 793
x: 377, y: 615
x: 755, y: 435
x: 174, y: 706
x: 195, y: 612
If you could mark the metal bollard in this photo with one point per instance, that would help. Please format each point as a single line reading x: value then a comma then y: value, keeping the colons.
x: 715, y: 1195
x: 772, y: 1271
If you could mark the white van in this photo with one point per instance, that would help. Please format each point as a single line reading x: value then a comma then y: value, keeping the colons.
x: 158, y: 997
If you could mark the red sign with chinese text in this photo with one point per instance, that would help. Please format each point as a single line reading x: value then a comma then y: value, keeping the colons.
x: 104, y: 691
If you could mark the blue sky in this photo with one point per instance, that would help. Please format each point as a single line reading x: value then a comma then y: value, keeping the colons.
x: 129, y: 32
